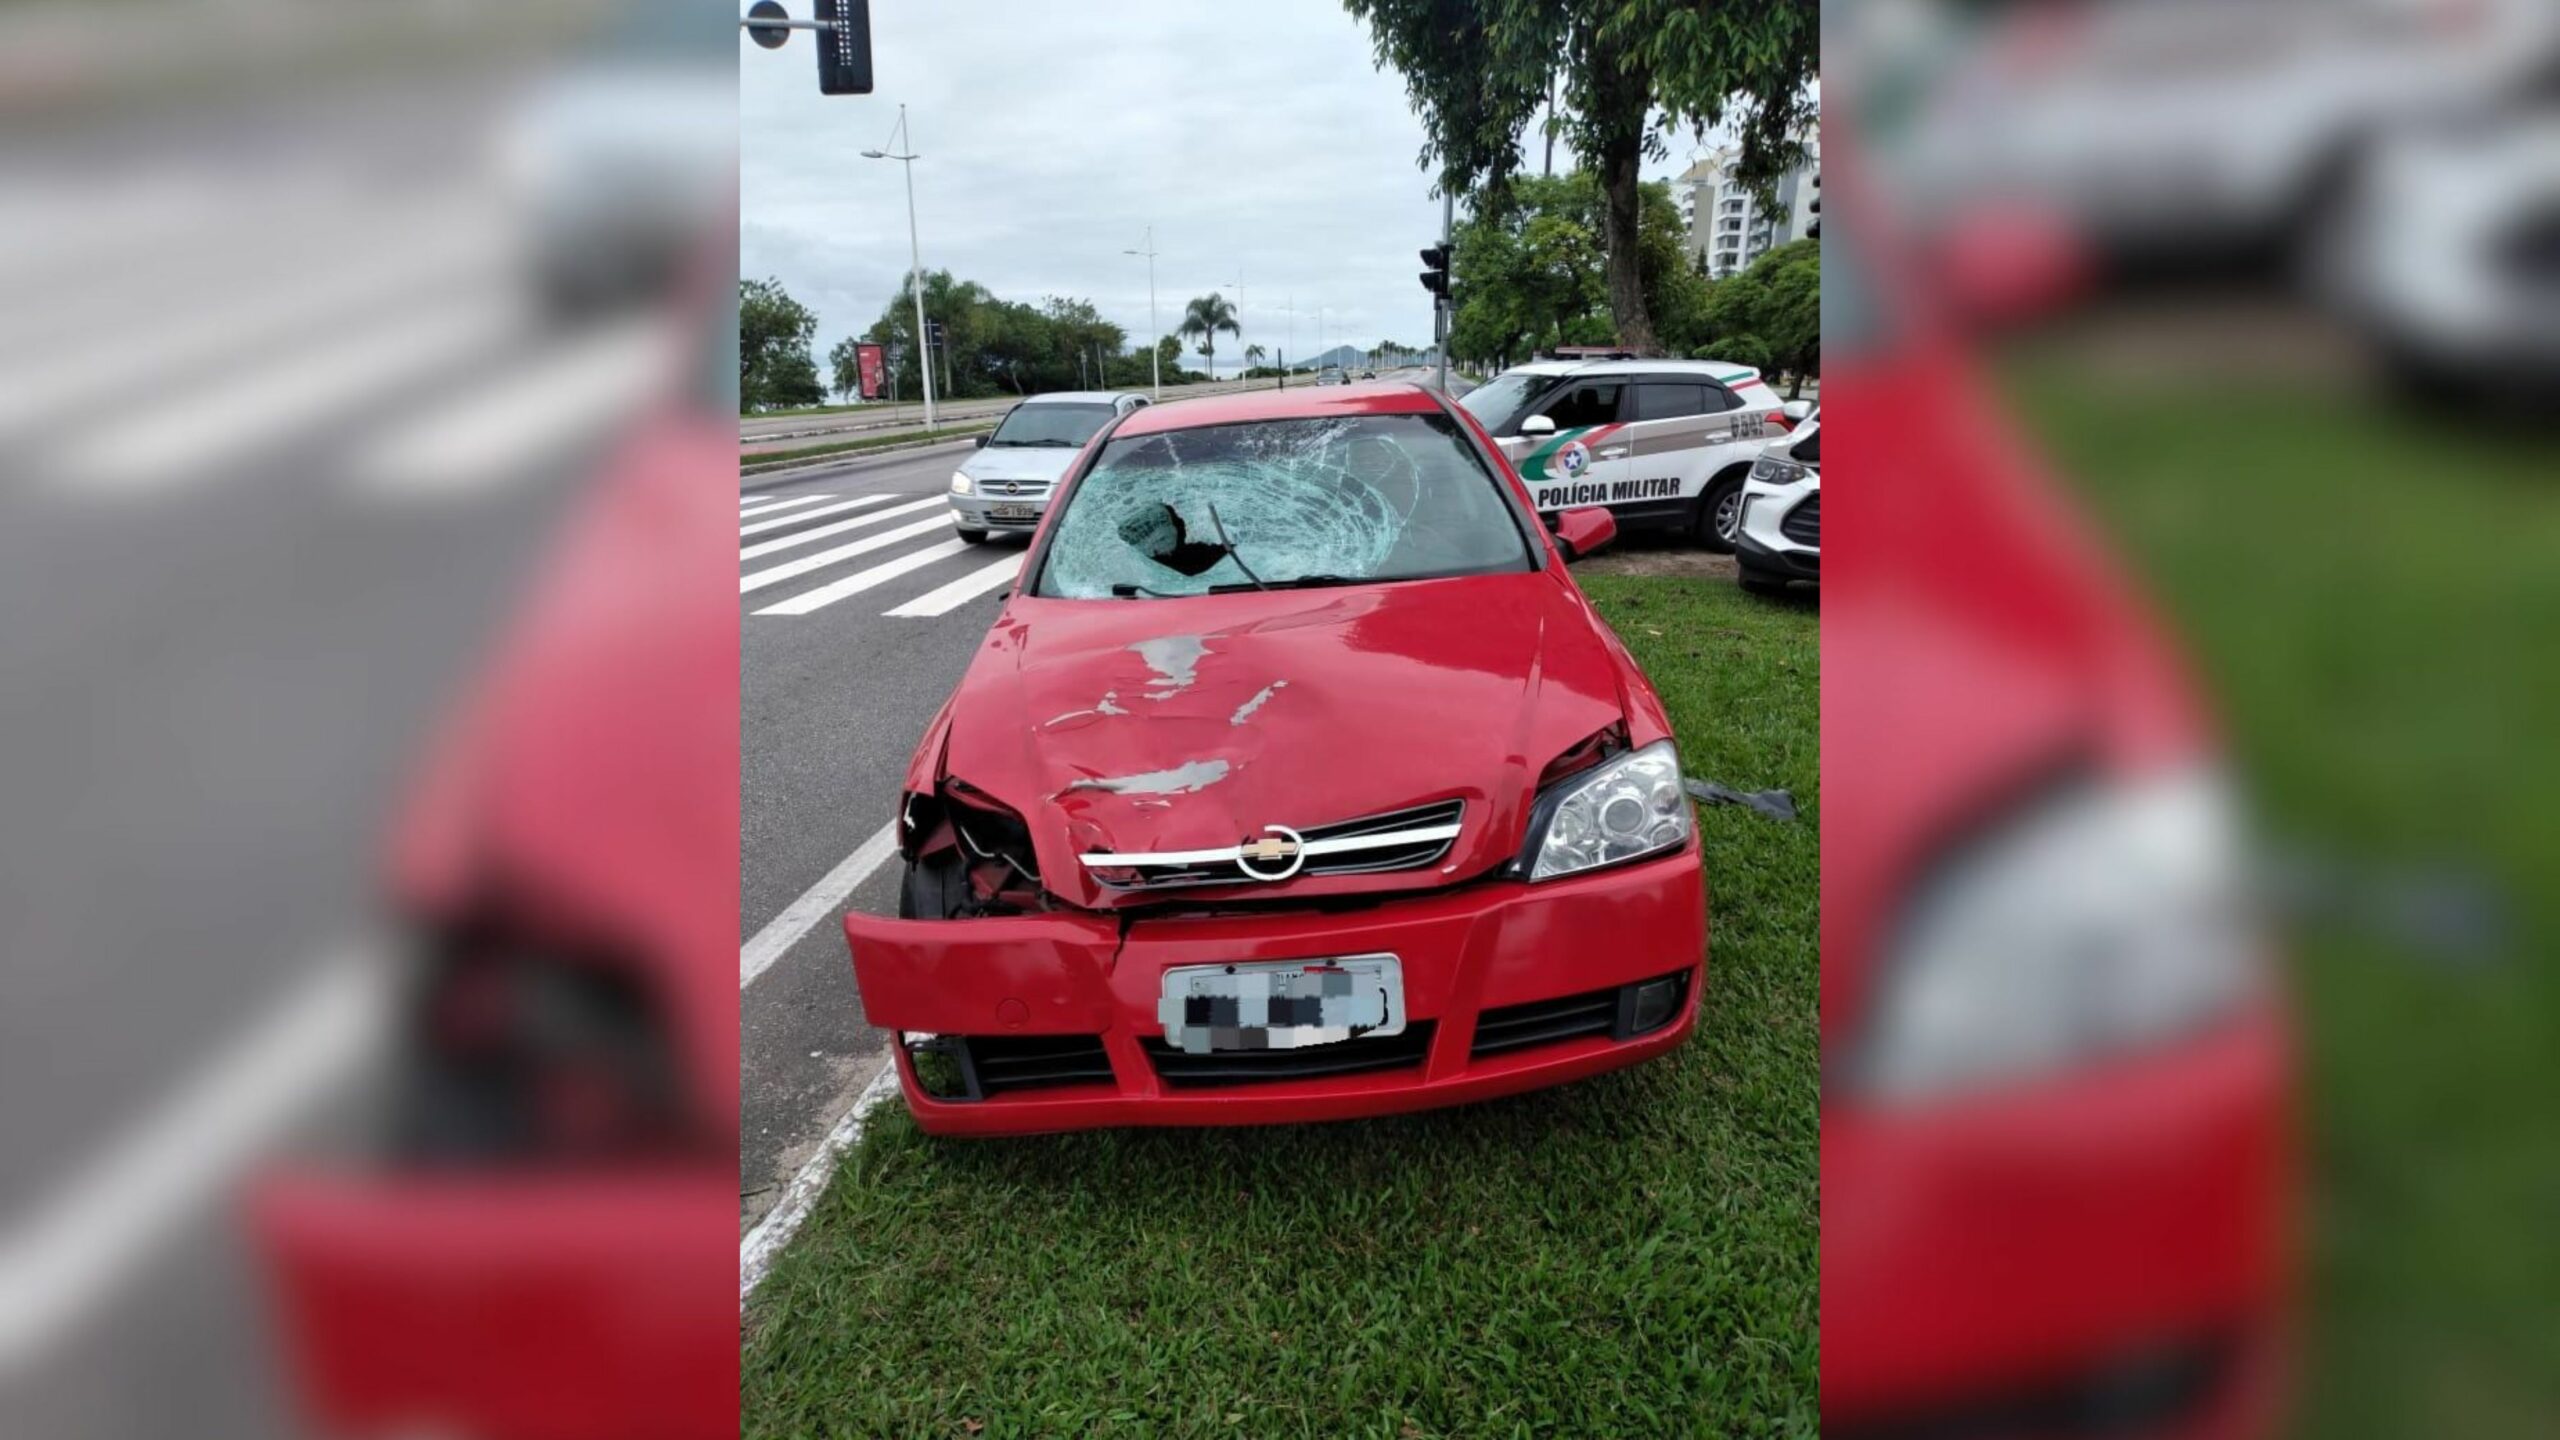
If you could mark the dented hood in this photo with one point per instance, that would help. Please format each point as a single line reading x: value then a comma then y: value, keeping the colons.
x: 1147, y: 725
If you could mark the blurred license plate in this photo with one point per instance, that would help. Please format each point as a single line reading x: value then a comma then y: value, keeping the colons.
x: 1287, y: 1005
x: 1002, y: 511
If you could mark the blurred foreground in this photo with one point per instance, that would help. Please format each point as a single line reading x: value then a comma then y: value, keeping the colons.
x: 333, y: 341
x: 2188, y: 1006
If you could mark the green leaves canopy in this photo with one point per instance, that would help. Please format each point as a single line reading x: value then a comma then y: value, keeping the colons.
x: 1629, y: 74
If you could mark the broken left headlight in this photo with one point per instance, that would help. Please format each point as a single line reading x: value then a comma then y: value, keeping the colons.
x: 1621, y: 809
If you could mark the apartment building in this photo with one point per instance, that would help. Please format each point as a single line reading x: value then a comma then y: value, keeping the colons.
x: 1728, y: 226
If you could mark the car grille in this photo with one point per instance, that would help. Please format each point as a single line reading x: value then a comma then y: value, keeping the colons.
x: 1183, y: 1070
x: 1803, y: 524
x: 1411, y: 856
x: 1006, y: 1063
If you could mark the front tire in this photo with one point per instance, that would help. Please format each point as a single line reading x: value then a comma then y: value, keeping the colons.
x: 1719, y: 521
x: 974, y: 537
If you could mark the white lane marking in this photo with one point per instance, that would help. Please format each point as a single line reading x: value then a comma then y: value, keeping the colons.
x: 811, y: 537
x: 959, y: 592
x: 756, y: 1253
x: 87, y: 1236
x: 825, y: 558
x: 184, y: 343
x: 777, y: 506
x: 818, y: 902
x: 521, y: 415
x: 861, y: 580
x: 209, y: 425
x: 805, y: 516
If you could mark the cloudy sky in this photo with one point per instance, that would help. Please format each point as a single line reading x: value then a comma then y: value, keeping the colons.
x: 1259, y: 140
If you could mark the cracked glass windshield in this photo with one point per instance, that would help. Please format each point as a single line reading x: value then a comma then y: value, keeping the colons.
x: 1068, y: 425
x: 1282, y: 504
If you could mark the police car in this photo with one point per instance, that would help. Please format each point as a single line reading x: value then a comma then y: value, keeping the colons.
x: 1781, y: 536
x: 1661, y: 443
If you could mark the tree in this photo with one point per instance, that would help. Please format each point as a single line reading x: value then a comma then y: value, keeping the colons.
x: 1254, y: 356
x: 1529, y: 270
x: 996, y: 346
x: 1169, y: 356
x: 1202, y: 319
x: 844, y: 363
x: 774, y: 331
x: 1479, y: 70
x: 1776, y: 302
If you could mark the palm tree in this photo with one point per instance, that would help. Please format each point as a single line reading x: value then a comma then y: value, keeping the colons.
x: 1202, y: 319
x: 1254, y: 355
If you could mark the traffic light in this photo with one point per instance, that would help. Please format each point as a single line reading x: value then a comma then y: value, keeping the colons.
x: 1436, y: 279
x: 844, y: 49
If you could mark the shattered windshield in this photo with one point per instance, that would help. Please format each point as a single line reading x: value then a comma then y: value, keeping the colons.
x: 1498, y: 399
x: 1068, y: 425
x: 1282, y: 503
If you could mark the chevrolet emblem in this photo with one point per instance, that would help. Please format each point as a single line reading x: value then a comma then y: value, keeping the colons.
x: 1278, y: 846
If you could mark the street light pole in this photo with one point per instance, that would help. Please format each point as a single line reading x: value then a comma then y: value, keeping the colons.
x: 1155, y: 351
x: 915, y: 259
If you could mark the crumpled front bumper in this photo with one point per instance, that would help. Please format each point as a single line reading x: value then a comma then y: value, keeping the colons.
x: 507, y: 1306
x: 2113, y: 1243
x: 1504, y: 947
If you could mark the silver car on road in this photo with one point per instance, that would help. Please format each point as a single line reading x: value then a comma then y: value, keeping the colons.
x: 1006, y: 485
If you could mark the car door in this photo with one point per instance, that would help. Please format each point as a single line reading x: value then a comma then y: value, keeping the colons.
x: 1681, y: 430
x: 1584, y: 459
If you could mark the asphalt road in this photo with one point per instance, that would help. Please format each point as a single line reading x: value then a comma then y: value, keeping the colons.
x: 249, y: 553
x: 831, y: 702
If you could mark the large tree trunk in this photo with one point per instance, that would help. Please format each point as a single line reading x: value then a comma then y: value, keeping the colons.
x: 1616, y: 108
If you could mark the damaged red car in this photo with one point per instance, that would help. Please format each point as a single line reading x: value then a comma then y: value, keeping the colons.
x: 1295, y: 781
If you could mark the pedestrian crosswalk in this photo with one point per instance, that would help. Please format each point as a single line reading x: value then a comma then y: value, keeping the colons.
x: 303, y: 333
x: 902, y: 542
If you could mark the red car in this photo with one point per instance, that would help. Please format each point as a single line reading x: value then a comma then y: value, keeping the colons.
x: 2056, y: 1142
x: 538, y: 1244
x: 1295, y: 781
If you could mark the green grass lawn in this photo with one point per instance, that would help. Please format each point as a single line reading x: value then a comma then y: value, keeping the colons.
x: 2373, y: 598
x: 1633, y: 1255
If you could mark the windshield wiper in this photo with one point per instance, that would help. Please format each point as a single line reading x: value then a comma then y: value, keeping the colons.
x: 1229, y: 542
x: 1127, y: 590
x: 1294, y: 582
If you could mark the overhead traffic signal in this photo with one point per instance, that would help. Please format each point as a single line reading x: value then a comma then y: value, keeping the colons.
x: 1436, y: 279
x: 844, y: 49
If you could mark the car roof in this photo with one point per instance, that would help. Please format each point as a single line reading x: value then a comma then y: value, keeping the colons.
x: 1300, y: 402
x: 1722, y: 371
x: 1081, y: 397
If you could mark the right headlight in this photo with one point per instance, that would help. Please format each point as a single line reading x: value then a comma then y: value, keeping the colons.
x: 961, y: 484
x: 1620, y: 809
x: 2113, y: 917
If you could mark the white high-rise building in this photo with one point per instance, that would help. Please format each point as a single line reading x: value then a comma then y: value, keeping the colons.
x: 1728, y: 226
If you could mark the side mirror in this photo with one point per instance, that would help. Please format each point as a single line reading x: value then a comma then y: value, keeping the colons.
x: 1583, y: 530
x: 980, y: 442
x: 1538, y: 425
x: 1797, y: 411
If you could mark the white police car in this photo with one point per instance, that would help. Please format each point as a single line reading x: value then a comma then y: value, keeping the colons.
x: 1661, y: 443
x: 1781, y: 535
